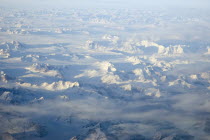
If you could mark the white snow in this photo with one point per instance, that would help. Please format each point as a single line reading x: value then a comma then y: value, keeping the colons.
x: 55, y: 86
x: 6, y: 96
x: 43, y: 69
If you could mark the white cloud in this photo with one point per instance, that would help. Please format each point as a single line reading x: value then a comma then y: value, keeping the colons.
x: 106, y: 3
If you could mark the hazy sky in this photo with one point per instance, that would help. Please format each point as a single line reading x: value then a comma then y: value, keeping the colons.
x: 106, y: 3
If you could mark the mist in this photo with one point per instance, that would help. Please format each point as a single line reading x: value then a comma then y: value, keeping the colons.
x: 150, y: 4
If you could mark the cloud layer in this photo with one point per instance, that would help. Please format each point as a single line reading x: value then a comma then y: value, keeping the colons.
x: 106, y: 3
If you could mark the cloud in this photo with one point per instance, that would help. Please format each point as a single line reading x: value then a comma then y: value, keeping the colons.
x: 180, y: 111
x: 104, y: 3
x: 192, y: 102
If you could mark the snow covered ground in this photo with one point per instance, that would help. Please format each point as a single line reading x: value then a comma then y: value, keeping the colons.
x: 111, y: 74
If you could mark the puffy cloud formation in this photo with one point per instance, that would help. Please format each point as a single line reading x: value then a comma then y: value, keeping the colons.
x: 55, y: 86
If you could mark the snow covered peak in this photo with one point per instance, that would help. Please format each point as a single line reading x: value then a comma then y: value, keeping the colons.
x: 4, y: 77
x: 55, y: 86
x: 45, y: 69
x: 12, y: 46
x: 113, y: 39
x: 6, y: 96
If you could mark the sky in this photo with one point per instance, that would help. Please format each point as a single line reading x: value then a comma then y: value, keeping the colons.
x: 105, y: 3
